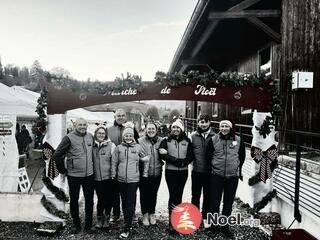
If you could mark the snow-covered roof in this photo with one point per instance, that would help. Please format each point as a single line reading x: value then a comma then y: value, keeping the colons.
x: 13, y: 102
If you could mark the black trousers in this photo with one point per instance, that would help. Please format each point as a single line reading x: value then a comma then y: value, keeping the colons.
x: 87, y: 184
x: 148, y: 193
x: 227, y: 186
x: 128, y: 193
x: 116, y: 199
x: 201, y: 182
x: 104, y: 190
x: 175, y: 180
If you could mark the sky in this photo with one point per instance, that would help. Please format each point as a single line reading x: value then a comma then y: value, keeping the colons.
x: 96, y: 39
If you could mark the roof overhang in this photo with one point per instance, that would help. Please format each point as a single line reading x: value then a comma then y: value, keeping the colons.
x: 222, y: 32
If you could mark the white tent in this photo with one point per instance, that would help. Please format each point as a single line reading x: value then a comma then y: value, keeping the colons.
x: 12, y: 102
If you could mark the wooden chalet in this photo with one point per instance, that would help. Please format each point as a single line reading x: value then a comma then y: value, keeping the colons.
x: 251, y: 36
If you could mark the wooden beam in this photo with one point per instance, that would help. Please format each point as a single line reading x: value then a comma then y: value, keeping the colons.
x: 265, y: 28
x: 209, y: 29
x: 243, y: 5
x: 244, y: 14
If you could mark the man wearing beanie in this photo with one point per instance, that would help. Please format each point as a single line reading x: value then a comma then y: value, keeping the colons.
x: 201, y: 166
x: 226, y: 154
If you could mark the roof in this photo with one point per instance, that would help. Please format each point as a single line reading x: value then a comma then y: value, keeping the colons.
x: 216, y: 38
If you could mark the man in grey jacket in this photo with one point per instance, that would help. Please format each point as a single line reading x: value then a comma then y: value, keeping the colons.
x: 77, y: 148
x: 201, y: 166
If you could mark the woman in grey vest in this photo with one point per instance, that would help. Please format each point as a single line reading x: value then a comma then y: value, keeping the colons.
x: 149, y: 186
x: 103, y: 184
x: 226, y: 153
x: 125, y: 168
x: 176, y: 151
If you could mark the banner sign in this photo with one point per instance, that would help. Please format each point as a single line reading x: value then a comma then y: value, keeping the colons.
x: 61, y: 100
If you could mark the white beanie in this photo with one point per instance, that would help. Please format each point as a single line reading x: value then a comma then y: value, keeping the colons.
x: 127, y: 130
x: 179, y: 124
x: 226, y: 122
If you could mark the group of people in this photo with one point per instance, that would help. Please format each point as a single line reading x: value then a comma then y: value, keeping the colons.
x: 117, y: 161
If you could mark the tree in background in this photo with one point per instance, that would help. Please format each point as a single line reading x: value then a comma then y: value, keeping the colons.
x: 1, y: 70
x: 174, y: 114
x: 36, y: 74
x: 153, y: 113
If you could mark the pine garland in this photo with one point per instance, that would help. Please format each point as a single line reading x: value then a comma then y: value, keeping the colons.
x: 264, y: 201
x: 58, y: 192
x: 256, y: 178
x: 221, y: 80
x: 52, y: 209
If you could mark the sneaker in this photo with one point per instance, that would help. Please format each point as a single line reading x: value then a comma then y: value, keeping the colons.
x: 145, y: 219
x: 106, y: 223
x: 125, y: 234
x: 152, y: 219
x: 134, y: 218
x: 114, y: 218
x: 100, y: 221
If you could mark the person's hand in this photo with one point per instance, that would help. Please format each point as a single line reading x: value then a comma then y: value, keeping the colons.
x: 163, y: 151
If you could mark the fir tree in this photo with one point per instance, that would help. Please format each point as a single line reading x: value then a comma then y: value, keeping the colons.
x: 40, y: 125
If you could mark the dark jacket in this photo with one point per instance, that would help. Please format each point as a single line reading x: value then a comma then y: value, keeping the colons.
x: 179, y: 152
x: 152, y: 149
x: 199, y: 146
x: 78, y: 150
x: 226, y: 155
x: 115, y: 133
x: 125, y: 163
x: 102, y: 153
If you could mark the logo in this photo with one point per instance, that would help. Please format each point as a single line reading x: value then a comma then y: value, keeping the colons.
x: 185, y: 218
x: 237, y: 95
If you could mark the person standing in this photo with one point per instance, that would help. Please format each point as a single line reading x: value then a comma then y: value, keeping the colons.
x: 176, y: 151
x: 201, y: 166
x: 115, y: 135
x: 226, y: 153
x: 77, y: 147
x: 149, y: 186
x: 125, y: 169
x: 102, y: 153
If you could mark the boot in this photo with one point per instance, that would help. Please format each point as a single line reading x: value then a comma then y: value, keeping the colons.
x: 106, y: 223
x: 152, y: 219
x: 100, y: 221
x: 145, y: 219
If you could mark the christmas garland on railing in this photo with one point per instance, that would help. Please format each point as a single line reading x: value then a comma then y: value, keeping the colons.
x: 52, y: 209
x: 58, y: 192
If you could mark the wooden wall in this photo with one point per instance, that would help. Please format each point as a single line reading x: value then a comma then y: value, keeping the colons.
x: 301, y: 51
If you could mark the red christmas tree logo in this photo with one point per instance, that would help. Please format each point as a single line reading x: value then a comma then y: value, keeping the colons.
x: 186, y: 218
